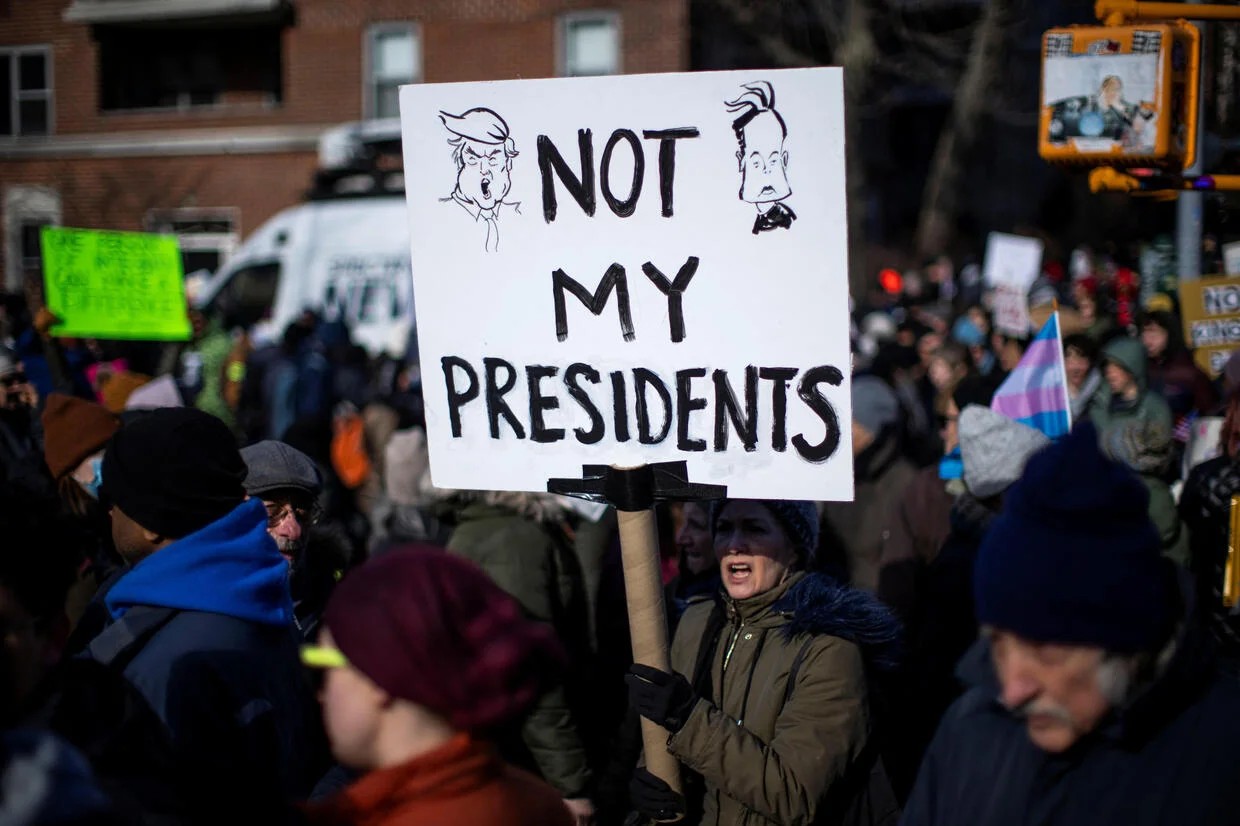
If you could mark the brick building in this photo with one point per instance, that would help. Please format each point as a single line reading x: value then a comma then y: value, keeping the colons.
x: 202, y: 117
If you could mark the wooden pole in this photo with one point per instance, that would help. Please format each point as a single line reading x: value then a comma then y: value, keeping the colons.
x: 643, y: 584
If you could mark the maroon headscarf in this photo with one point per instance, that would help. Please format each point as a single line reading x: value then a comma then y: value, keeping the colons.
x: 434, y: 629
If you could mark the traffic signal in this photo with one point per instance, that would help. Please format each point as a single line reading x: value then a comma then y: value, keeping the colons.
x: 1120, y: 95
x: 891, y: 281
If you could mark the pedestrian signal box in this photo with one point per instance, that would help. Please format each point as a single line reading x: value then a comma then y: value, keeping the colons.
x: 1120, y: 95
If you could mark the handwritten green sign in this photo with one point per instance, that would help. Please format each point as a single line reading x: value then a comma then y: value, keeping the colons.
x: 114, y: 285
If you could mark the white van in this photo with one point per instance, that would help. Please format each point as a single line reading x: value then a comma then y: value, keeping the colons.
x: 343, y: 253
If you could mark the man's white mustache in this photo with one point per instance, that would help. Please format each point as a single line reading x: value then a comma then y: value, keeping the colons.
x: 1042, y: 708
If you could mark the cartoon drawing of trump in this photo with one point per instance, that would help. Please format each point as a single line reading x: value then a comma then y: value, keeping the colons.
x: 763, y: 161
x: 483, y: 151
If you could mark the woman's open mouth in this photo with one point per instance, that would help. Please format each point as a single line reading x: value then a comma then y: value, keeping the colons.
x: 737, y: 572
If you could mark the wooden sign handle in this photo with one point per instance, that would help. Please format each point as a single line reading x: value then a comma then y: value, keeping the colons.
x: 643, y: 584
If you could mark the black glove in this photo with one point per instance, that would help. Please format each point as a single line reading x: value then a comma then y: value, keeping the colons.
x: 654, y: 798
x: 662, y: 698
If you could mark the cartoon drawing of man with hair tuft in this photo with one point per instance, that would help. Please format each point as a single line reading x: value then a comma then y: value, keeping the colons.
x: 763, y: 161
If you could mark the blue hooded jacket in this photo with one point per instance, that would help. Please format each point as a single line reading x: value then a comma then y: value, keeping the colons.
x: 230, y: 567
x: 203, y: 629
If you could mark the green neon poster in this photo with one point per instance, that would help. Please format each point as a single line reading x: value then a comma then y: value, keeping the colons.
x: 114, y: 285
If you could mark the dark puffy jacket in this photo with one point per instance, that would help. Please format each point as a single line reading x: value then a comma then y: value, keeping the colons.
x: 1205, y: 507
x: 938, y: 634
x: 203, y: 630
x: 1168, y: 758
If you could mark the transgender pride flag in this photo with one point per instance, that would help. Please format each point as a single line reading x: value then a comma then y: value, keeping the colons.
x: 1036, y: 392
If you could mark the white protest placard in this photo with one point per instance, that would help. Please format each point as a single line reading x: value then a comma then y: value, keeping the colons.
x: 629, y: 270
x: 1013, y: 263
x: 1231, y: 258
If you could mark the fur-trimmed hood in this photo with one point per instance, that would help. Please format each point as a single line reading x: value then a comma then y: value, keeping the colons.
x: 818, y: 604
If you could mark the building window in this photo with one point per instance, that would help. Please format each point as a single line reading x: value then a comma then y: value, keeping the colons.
x: 590, y: 44
x: 189, y: 67
x: 25, y: 91
x: 393, y: 58
x: 27, y: 209
x: 207, y: 237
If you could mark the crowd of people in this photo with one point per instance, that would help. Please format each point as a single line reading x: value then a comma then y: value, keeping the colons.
x: 229, y: 590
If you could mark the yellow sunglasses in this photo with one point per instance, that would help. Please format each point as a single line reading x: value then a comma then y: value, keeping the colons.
x: 319, y: 656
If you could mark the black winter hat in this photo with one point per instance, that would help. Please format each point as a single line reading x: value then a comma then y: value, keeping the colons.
x: 174, y: 471
x: 1074, y: 557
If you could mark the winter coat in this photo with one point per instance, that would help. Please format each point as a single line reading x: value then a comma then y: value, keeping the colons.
x: 915, y: 531
x: 203, y: 630
x: 462, y: 783
x: 937, y: 634
x: 1106, y: 411
x: 1166, y: 519
x: 214, y: 348
x: 783, y: 732
x: 101, y: 715
x: 519, y: 541
x: 1205, y: 506
x: 858, y: 527
x: 1167, y: 758
x: 21, y: 434
x: 47, y: 782
x: 1178, y: 379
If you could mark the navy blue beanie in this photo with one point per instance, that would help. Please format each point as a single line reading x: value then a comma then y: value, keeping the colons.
x: 1074, y: 557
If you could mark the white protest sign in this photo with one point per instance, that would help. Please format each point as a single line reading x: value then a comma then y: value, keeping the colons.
x: 1231, y: 258
x: 630, y: 270
x: 1013, y: 263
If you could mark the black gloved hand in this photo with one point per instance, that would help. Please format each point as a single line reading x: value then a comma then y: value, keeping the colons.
x: 654, y: 798
x: 664, y: 699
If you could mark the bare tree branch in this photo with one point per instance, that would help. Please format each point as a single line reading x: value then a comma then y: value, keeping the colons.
x: 777, y: 47
x: 941, y: 196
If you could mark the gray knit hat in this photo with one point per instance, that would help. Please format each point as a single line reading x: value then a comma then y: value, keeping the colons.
x: 799, y: 519
x: 874, y: 404
x: 1144, y: 446
x: 994, y: 449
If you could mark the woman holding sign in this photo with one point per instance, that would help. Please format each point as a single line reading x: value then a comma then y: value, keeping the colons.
x: 768, y: 703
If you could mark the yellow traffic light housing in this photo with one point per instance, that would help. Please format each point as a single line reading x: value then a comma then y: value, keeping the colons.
x: 1123, y: 96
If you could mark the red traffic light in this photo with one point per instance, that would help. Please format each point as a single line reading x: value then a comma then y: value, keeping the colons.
x: 891, y: 281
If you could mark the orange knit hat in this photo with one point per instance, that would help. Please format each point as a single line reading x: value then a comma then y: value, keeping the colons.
x: 73, y: 429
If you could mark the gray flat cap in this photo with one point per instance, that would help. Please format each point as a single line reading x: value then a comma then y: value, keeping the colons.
x: 274, y: 465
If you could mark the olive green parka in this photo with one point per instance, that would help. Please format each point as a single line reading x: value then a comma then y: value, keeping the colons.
x: 783, y: 732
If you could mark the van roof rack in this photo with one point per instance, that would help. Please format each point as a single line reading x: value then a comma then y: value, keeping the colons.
x: 358, y: 159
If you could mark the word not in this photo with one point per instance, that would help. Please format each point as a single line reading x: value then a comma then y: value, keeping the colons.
x: 581, y: 185
x: 1221, y: 300
x: 658, y: 403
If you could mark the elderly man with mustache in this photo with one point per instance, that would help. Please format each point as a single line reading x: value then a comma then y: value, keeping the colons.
x: 289, y: 483
x: 1094, y: 696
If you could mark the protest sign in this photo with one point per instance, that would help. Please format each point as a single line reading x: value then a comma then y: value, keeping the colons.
x: 1013, y: 263
x: 632, y: 270
x: 114, y: 285
x: 1231, y: 258
x: 1211, y: 315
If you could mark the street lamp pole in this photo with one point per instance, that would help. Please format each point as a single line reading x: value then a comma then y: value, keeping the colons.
x: 1190, y: 205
